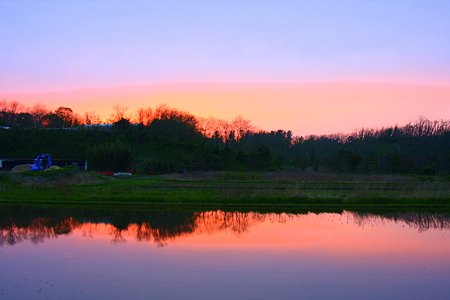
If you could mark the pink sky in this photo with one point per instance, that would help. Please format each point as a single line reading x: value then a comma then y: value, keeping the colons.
x: 313, y: 67
x: 304, y: 108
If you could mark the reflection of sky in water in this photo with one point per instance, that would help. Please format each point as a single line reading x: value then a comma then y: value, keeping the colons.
x: 237, y: 255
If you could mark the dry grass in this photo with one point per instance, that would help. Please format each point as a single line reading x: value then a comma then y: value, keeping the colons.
x: 190, y: 176
x: 309, y: 176
x: 312, y: 184
x: 55, y: 179
x: 296, y: 176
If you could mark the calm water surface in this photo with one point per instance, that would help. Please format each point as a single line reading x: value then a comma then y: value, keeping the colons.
x: 49, y: 253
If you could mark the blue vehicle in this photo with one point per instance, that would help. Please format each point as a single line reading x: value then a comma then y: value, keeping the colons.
x: 38, y: 165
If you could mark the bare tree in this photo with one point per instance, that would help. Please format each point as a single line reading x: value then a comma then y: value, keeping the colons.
x: 144, y: 116
x: 209, y: 126
x: 38, y: 111
x: 241, y: 126
x: 119, y: 113
x: 91, y: 118
x: 10, y: 110
x: 77, y: 119
x: 3, y: 105
x: 225, y: 129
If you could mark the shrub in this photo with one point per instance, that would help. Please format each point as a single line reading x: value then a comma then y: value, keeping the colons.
x: 115, y: 157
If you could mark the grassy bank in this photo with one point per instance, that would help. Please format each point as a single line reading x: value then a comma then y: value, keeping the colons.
x: 209, y: 189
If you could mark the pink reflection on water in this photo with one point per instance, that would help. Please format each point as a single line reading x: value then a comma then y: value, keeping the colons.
x: 347, y: 234
x: 235, y: 255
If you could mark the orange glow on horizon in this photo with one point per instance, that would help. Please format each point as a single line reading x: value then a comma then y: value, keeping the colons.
x: 304, y: 108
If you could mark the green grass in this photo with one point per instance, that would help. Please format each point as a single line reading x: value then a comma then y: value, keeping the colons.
x: 230, y: 190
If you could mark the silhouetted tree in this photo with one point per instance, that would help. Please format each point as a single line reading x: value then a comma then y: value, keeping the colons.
x: 52, y: 121
x: 24, y: 120
x: 66, y: 115
x: 144, y: 116
x: 119, y: 113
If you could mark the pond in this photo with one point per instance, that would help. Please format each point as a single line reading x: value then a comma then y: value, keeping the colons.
x: 60, y: 253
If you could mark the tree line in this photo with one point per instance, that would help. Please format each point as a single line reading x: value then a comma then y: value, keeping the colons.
x: 165, y: 139
x: 15, y: 114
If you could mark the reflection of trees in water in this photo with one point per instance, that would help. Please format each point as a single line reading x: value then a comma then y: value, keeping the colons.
x: 163, y: 227
x: 421, y: 221
x: 37, y: 230
x: 236, y: 222
x: 117, y: 236
x: 18, y: 224
x: 157, y: 226
x: 160, y: 236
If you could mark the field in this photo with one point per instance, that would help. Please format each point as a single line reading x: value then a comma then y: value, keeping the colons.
x: 297, y: 189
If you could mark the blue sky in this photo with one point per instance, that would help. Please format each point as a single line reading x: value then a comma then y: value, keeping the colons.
x: 57, y: 45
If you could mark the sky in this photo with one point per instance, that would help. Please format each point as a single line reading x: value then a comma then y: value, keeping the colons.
x: 313, y: 67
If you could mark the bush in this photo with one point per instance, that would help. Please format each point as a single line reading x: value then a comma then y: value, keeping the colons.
x: 112, y: 157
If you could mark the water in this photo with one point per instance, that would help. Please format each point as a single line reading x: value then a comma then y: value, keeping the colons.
x: 55, y: 253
